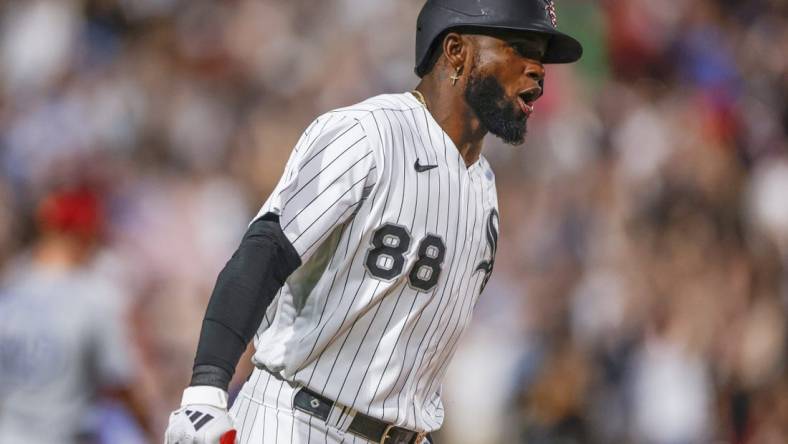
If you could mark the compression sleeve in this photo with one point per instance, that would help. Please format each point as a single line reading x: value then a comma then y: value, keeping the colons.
x: 244, y: 289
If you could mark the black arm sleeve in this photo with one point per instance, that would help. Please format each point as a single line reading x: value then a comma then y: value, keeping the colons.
x: 244, y: 290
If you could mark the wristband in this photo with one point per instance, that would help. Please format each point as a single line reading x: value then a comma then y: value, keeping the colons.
x: 204, y: 395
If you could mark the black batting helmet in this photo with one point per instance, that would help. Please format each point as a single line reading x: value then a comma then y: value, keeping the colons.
x: 439, y: 16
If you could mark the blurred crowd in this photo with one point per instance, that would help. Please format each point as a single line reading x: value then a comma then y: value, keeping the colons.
x: 640, y: 293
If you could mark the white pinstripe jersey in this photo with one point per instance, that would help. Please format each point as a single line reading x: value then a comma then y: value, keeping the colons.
x: 397, y: 239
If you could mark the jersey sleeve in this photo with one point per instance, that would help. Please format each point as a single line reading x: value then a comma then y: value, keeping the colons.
x: 328, y: 175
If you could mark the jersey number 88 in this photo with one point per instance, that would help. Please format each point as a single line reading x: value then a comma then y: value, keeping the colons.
x: 386, y: 257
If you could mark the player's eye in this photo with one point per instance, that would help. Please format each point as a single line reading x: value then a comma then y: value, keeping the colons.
x: 527, y: 50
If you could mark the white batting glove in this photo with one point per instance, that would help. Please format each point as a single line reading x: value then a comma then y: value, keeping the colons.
x: 202, y: 418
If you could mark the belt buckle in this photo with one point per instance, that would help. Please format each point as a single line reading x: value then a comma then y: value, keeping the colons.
x: 386, y: 434
x: 420, y: 436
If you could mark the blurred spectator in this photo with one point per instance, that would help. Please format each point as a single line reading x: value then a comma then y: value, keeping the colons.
x: 63, y: 335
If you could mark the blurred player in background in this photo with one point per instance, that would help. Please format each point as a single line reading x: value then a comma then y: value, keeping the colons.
x: 63, y: 336
x: 360, y: 272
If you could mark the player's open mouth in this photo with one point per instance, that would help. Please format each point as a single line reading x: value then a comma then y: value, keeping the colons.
x: 526, y: 100
x: 528, y: 108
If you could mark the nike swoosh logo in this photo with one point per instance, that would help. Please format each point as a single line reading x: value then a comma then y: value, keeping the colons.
x: 422, y: 168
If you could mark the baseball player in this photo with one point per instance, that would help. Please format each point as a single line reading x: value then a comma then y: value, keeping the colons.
x: 63, y: 340
x: 359, y: 274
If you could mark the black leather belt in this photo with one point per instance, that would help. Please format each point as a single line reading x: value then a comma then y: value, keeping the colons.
x: 362, y: 425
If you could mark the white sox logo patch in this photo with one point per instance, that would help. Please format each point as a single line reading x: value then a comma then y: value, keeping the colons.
x: 550, y: 8
x: 492, y: 242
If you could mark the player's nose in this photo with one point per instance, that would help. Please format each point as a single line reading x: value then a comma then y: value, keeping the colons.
x: 535, y: 83
x: 535, y: 74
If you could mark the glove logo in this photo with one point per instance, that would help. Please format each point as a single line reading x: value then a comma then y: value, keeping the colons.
x: 198, y: 419
x: 550, y: 8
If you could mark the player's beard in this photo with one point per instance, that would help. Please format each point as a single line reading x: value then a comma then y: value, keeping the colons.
x: 497, y: 113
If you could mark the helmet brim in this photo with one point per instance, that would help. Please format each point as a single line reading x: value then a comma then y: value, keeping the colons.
x: 561, y: 48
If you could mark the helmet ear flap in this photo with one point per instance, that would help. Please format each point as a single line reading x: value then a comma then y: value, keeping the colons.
x: 433, y: 54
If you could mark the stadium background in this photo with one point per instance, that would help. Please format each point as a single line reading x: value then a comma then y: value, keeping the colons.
x: 641, y: 285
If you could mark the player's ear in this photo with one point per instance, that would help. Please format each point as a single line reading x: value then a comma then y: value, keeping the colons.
x: 456, y: 49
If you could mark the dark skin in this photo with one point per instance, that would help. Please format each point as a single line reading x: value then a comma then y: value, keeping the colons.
x: 511, y: 58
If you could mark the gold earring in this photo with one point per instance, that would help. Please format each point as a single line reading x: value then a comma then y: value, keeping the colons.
x: 456, y: 76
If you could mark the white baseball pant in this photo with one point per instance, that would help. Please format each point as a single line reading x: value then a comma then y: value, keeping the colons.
x: 263, y: 413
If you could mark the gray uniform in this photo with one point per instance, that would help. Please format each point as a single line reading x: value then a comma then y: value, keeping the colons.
x: 60, y: 339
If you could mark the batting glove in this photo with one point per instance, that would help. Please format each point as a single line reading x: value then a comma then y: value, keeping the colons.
x: 202, y: 418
